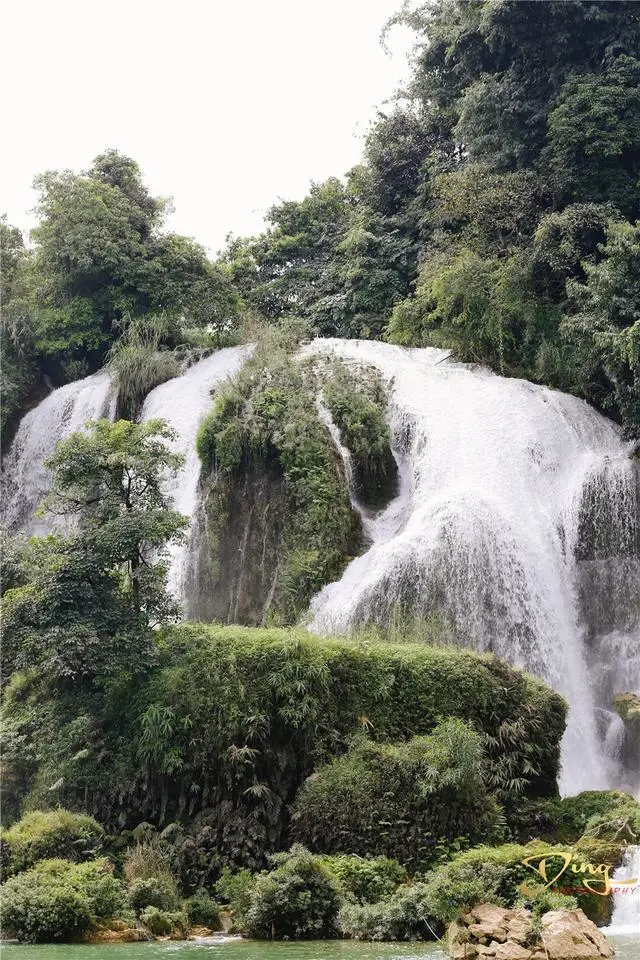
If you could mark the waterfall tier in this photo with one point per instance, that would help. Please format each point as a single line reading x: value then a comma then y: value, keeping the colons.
x: 183, y: 402
x: 25, y: 479
x: 626, y: 896
x: 516, y: 530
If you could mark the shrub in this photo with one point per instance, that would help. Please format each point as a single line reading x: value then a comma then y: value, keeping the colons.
x: 147, y: 867
x: 462, y: 884
x: 38, y: 908
x: 139, y: 363
x: 105, y: 894
x: 296, y: 900
x: 159, y: 923
x: 152, y: 892
x: 41, y: 835
x: 598, y: 813
x: 60, y: 900
x: 405, y: 915
x: 365, y: 879
x: 545, y: 900
x: 235, y: 890
x: 202, y: 910
x: 399, y: 799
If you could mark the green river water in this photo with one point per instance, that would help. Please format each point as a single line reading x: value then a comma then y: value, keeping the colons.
x: 627, y: 948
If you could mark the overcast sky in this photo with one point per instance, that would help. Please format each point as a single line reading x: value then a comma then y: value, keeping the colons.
x: 227, y: 106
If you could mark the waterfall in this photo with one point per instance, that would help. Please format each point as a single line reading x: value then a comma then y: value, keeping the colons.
x: 25, y: 479
x: 345, y: 455
x: 183, y: 402
x: 626, y: 897
x: 514, y: 500
x: 515, y: 529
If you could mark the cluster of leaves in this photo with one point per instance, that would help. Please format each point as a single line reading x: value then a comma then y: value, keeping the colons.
x: 46, y: 835
x: 99, y: 264
x: 365, y: 879
x: 399, y: 799
x: 60, y: 900
x: 297, y: 900
x: 495, y: 209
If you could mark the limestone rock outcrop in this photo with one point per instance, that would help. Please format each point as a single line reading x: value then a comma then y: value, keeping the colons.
x: 500, y: 934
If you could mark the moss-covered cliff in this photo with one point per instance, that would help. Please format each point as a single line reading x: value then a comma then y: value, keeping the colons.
x: 223, y: 731
x: 278, y: 520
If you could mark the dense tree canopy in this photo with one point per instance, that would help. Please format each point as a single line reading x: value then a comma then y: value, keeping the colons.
x: 487, y: 190
x: 100, y: 261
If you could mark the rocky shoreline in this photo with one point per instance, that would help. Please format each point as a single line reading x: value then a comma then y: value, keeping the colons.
x: 499, y: 934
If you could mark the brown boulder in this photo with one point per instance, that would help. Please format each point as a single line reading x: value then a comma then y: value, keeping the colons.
x: 499, y: 934
x: 569, y: 935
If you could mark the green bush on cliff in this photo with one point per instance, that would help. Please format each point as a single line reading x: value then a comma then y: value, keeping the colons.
x: 297, y: 900
x: 42, y: 835
x: 266, y: 419
x: 357, y: 402
x: 399, y: 799
x: 60, y: 900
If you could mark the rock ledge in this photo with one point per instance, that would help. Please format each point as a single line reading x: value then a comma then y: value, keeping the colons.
x: 501, y: 934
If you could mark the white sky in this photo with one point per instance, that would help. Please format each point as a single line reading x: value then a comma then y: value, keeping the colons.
x: 226, y: 106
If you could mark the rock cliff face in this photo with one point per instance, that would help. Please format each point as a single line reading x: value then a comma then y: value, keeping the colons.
x: 499, y: 934
x: 239, y: 557
x: 627, y: 706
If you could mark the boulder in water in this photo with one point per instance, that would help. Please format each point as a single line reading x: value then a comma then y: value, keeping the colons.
x: 494, y: 932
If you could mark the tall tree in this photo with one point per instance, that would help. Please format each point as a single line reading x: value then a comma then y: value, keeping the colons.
x: 89, y: 608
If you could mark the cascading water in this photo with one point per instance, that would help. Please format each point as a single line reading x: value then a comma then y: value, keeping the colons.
x: 626, y: 896
x: 25, y: 479
x: 516, y: 527
x: 183, y: 402
x: 513, y: 497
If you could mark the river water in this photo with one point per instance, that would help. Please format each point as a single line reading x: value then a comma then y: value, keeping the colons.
x: 626, y: 948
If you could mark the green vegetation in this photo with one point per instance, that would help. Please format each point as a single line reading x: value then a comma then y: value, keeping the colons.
x: 365, y: 879
x: 139, y: 362
x: 91, y: 600
x: 400, y: 799
x: 101, y: 265
x: 266, y: 424
x: 45, y: 835
x: 223, y: 731
x: 495, y: 209
x: 59, y: 900
x: 296, y: 900
x: 358, y: 404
